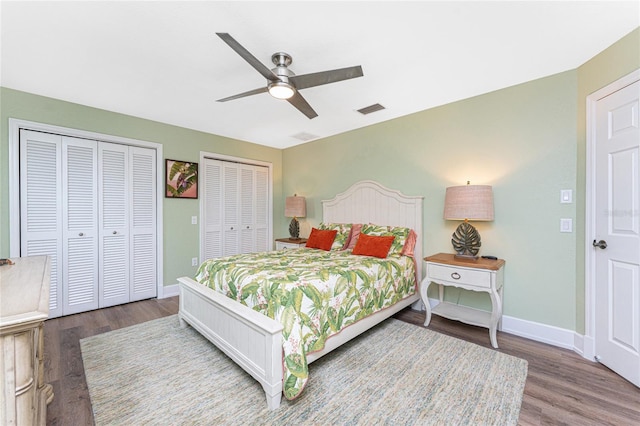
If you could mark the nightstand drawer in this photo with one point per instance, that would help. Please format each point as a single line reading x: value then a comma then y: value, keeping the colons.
x: 283, y: 246
x: 452, y: 274
x: 288, y: 243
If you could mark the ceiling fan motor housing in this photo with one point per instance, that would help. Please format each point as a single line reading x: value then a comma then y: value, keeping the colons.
x: 282, y: 61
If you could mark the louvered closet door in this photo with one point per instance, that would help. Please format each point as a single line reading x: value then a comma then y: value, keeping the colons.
x: 261, y: 201
x: 247, y: 209
x: 253, y: 199
x: 41, y: 213
x: 230, y: 201
x: 79, y: 225
x: 143, y: 276
x: 113, y: 185
x: 211, y: 245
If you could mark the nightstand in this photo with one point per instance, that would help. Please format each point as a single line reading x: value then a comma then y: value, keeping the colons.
x: 483, y: 275
x: 289, y: 243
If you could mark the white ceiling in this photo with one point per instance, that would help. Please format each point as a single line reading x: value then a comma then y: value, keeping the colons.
x: 162, y: 60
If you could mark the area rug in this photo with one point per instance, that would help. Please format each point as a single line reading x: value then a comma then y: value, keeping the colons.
x: 396, y: 373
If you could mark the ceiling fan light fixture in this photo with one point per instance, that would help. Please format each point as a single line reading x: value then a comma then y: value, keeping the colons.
x: 281, y: 90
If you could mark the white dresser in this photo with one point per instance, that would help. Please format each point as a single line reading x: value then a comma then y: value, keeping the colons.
x: 24, y: 305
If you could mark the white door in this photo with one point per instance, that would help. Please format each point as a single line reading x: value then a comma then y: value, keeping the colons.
x: 211, y: 209
x: 90, y: 206
x: 617, y: 237
x: 230, y: 196
x: 113, y: 185
x: 234, y: 208
x: 79, y: 225
x: 142, y: 241
x: 261, y: 198
x: 247, y: 209
x: 40, y: 211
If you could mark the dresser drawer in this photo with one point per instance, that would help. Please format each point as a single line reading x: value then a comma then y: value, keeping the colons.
x: 463, y: 276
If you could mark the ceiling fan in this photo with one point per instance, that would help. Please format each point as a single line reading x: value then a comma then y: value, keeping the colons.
x: 282, y: 83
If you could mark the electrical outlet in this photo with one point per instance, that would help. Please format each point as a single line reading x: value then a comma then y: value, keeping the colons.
x: 194, y: 261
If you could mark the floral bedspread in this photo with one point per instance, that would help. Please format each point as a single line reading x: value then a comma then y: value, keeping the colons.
x: 312, y: 293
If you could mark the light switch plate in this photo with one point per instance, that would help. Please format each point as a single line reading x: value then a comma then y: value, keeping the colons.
x: 566, y: 225
x: 566, y: 196
x: 194, y: 220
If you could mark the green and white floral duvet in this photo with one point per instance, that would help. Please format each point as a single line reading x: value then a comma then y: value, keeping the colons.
x: 312, y: 293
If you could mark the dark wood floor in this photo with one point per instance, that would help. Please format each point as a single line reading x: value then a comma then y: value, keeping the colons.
x: 562, y: 387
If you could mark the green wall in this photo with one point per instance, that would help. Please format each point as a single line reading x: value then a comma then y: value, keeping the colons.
x: 181, y: 240
x: 520, y: 140
x: 527, y: 141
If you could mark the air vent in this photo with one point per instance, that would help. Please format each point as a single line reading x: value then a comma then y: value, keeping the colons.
x: 304, y: 137
x: 370, y: 109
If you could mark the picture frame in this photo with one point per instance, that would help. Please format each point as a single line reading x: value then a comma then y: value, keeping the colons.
x: 181, y: 179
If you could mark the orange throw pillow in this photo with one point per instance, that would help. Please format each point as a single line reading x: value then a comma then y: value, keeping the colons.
x: 321, y: 238
x: 371, y: 245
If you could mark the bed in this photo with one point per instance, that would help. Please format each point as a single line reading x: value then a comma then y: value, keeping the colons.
x: 255, y: 341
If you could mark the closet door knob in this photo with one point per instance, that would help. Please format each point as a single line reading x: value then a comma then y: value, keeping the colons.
x: 115, y: 232
x: 81, y: 234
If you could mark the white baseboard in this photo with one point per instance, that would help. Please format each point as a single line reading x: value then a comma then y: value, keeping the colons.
x: 169, y: 291
x: 544, y: 333
x: 587, y: 346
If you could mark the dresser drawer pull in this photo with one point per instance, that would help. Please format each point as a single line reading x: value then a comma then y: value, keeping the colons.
x: 455, y: 276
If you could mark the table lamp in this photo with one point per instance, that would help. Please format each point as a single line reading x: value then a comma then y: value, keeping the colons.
x: 295, y: 207
x: 468, y: 202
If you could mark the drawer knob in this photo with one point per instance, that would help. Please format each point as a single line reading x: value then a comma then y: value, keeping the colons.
x: 455, y: 276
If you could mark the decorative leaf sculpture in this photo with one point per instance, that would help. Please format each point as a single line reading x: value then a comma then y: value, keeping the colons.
x: 294, y: 228
x: 466, y: 240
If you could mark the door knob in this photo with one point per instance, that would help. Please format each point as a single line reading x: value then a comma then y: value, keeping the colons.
x: 600, y: 244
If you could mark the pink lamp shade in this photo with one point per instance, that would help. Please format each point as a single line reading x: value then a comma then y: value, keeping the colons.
x: 469, y: 202
x: 295, y: 207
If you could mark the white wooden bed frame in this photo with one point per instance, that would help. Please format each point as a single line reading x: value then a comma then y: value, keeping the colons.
x: 253, y: 340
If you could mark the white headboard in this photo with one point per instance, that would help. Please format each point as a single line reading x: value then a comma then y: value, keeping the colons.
x: 369, y: 202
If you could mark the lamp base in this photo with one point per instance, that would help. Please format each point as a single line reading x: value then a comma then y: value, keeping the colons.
x: 466, y: 241
x: 294, y: 229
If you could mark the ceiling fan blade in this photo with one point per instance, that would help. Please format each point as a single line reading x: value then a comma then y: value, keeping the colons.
x: 247, y: 56
x: 303, y: 106
x: 244, y: 94
x: 325, y: 77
